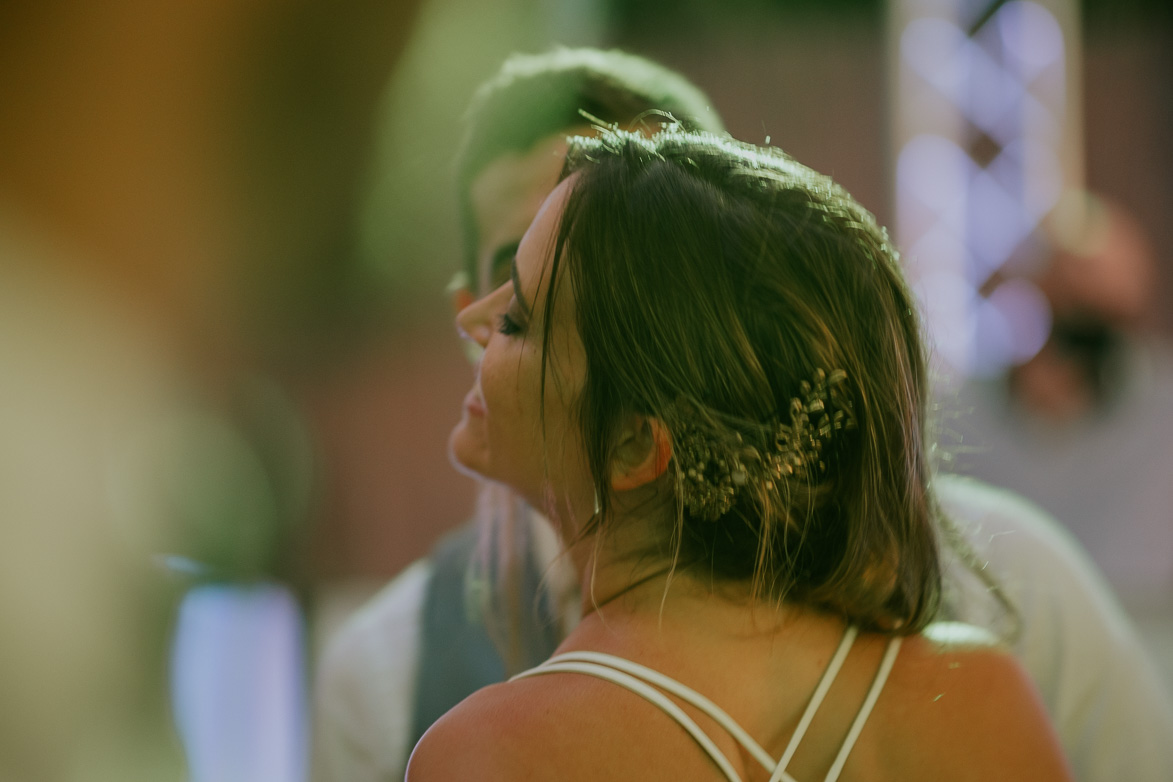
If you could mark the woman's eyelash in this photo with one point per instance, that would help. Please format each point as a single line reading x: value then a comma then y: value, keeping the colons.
x: 508, y: 326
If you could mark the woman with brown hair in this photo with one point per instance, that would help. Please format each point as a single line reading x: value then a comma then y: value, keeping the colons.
x: 707, y: 371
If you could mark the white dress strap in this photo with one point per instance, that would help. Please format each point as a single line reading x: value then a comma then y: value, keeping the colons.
x: 686, y: 694
x: 639, y: 680
x: 816, y: 700
x: 873, y: 694
x: 555, y: 665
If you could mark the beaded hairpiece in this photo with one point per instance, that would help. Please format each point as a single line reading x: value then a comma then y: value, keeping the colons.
x: 714, y: 467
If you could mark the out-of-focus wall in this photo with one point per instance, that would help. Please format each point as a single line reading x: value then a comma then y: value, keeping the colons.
x: 812, y: 86
x: 1128, y: 113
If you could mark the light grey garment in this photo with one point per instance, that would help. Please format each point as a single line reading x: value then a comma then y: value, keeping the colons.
x: 1110, y: 709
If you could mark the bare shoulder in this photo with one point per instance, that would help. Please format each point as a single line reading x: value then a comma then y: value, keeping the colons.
x: 957, y: 687
x: 474, y: 740
x: 961, y: 663
x: 560, y: 726
x: 530, y: 729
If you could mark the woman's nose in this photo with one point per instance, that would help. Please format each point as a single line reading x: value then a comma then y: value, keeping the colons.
x: 474, y: 322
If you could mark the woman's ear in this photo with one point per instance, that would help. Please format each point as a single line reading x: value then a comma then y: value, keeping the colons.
x: 642, y: 454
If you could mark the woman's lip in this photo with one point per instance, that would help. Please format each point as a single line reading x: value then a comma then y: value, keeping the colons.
x: 473, y: 403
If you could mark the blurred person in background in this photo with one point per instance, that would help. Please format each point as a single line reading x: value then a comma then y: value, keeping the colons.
x: 171, y: 176
x: 441, y: 630
x: 1083, y: 427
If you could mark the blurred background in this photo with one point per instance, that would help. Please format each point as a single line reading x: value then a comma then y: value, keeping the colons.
x: 1019, y: 152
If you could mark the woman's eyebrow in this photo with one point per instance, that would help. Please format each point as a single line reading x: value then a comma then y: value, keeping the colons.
x: 517, y: 288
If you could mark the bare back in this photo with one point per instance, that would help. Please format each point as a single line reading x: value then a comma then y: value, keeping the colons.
x: 952, y: 707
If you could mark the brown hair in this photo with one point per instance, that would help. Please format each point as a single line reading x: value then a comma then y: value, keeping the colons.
x: 724, y: 274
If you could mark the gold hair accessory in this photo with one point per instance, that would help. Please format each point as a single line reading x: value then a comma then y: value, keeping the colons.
x: 714, y: 464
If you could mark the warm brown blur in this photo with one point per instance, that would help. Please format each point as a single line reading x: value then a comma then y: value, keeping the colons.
x: 202, y: 157
x: 173, y: 177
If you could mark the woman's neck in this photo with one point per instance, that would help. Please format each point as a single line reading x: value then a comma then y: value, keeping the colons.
x: 621, y: 562
x: 641, y: 585
x: 628, y: 573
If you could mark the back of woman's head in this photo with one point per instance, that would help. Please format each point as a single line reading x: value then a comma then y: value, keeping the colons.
x: 759, y: 313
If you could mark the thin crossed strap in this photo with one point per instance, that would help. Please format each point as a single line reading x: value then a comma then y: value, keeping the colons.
x: 633, y: 676
x: 816, y: 701
x: 885, y: 668
x: 555, y: 665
